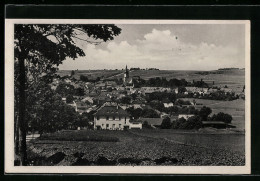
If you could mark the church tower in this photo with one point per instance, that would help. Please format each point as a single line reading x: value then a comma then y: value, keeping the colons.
x: 126, y: 75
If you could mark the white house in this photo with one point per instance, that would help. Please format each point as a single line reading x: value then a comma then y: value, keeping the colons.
x: 185, y: 116
x: 111, y: 116
x: 135, y: 124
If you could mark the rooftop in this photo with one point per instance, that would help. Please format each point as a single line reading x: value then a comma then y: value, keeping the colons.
x: 111, y: 109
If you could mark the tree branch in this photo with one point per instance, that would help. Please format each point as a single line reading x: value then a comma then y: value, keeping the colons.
x: 91, y: 42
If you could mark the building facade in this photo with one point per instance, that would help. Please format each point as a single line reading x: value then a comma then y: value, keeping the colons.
x: 112, y: 117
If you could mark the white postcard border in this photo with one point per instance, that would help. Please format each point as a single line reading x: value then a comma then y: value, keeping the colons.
x: 9, y: 108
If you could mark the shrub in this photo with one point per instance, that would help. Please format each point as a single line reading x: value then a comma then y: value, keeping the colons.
x: 222, y: 117
x: 166, y: 123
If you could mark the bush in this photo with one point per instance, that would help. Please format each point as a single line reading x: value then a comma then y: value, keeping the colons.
x: 146, y: 125
x: 166, y: 123
x: 222, y: 117
x: 193, y: 122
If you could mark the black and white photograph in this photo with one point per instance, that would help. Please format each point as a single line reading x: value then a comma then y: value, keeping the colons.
x: 127, y: 96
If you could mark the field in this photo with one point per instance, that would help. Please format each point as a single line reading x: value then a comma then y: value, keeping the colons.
x: 140, y: 147
x: 92, y: 74
x: 234, y: 79
x: 235, y: 108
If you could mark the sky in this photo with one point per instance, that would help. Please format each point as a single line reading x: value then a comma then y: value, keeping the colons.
x: 167, y: 47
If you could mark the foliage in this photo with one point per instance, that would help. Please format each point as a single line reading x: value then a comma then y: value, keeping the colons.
x: 83, y: 78
x: 166, y: 123
x: 193, y: 122
x: 146, y: 125
x: 69, y: 99
x: 160, y: 96
x: 136, y: 113
x: 182, y: 102
x: 72, y: 73
x: 200, y: 84
x: 125, y: 100
x: 64, y: 89
x: 149, y: 113
x: 204, y: 113
x: 222, y: 117
x: 160, y: 82
x: 79, y: 91
x: 38, y: 50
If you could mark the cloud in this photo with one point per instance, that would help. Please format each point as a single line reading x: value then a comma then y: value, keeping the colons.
x: 160, y: 49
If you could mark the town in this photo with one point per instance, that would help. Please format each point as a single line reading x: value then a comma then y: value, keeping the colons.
x: 122, y: 101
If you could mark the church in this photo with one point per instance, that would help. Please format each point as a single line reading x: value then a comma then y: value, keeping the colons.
x: 126, y: 79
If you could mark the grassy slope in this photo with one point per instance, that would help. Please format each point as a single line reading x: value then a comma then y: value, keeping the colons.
x: 133, y: 146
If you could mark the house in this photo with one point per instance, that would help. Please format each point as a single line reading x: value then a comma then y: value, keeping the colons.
x: 167, y: 103
x: 89, y: 100
x: 138, y: 104
x: 112, y: 117
x: 185, y: 116
x: 135, y: 124
x: 190, y: 90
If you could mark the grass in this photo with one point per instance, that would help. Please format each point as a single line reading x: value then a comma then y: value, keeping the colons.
x: 78, y: 135
x: 235, y: 108
x: 143, y: 147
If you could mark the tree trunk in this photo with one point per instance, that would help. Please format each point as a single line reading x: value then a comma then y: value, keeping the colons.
x: 21, y: 118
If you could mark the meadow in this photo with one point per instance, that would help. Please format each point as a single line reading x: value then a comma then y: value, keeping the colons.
x: 139, y: 147
x: 235, y: 108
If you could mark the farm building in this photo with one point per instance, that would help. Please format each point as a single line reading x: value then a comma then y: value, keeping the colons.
x: 111, y: 116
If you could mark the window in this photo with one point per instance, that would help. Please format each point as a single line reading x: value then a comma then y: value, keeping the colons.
x: 125, y: 120
x: 97, y: 117
x: 107, y: 117
x: 107, y: 125
x: 114, y: 117
x: 119, y: 118
x: 119, y: 125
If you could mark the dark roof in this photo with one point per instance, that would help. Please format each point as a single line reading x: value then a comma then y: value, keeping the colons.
x: 135, y: 121
x: 111, y: 111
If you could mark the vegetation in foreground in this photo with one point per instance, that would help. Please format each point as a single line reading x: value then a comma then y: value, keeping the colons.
x: 131, y: 149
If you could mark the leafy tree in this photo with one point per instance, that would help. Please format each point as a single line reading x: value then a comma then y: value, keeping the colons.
x: 146, y: 125
x: 149, y: 113
x: 177, y: 124
x: 38, y: 50
x: 222, y: 117
x: 193, y: 122
x: 72, y: 73
x: 166, y: 123
x: 83, y: 78
x: 64, y: 89
x: 136, y: 113
x: 204, y: 113
x: 79, y: 91
x: 69, y: 99
x: 125, y: 100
